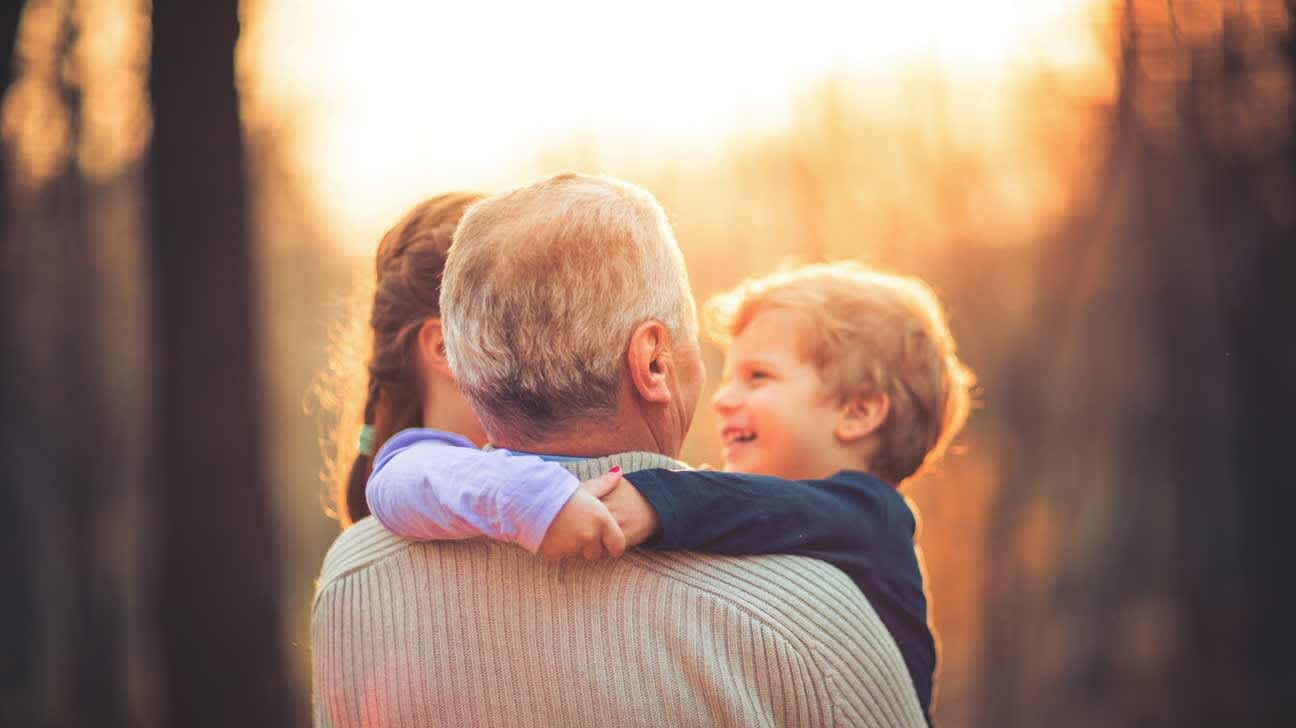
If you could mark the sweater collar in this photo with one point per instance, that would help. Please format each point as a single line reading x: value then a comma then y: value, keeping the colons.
x: 629, y: 462
x: 586, y: 468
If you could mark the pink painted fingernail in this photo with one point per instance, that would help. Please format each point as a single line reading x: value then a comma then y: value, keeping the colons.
x: 615, y: 469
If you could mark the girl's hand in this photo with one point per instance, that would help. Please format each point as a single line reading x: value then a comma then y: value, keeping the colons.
x: 636, y: 517
x: 585, y: 526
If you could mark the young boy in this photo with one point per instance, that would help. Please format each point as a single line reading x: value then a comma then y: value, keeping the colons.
x: 841, y: 379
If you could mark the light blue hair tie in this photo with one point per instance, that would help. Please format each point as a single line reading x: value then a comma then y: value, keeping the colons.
x: 365, y: 442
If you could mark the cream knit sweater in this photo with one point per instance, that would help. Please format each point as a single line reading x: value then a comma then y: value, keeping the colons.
x: 479, y: 633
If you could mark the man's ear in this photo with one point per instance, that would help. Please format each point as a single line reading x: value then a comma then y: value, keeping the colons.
x: 431, y: 345
x: 649, y: 361
x: 861, y: 415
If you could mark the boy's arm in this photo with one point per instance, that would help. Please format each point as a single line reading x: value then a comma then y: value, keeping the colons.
x: 433, y: 490
x: 835, y: 519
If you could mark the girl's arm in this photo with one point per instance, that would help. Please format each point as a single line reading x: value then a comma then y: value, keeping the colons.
x: 432, y: 486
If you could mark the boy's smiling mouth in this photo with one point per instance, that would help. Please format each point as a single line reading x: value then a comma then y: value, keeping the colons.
x: 736, y: 435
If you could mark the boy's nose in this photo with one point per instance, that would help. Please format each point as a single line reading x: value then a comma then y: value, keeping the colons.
x: 725, y: 399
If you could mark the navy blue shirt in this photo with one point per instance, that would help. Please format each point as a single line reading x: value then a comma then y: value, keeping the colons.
x: 851, y: 520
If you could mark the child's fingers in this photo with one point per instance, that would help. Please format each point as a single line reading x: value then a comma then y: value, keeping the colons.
x: 614, y: 539
x: 593, y: 550
x: 603, y: 484
x: 551, y: 550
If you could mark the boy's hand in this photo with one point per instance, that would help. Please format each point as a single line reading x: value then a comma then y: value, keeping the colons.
x: 633, y: 513
x: 585, y: 526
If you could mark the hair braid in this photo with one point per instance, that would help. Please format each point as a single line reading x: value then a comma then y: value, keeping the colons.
x: 355, y: 506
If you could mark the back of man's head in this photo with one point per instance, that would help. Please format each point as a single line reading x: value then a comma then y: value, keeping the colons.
x: 542, y: 290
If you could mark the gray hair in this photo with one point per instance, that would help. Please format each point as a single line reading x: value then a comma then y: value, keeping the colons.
x: 542, y: 289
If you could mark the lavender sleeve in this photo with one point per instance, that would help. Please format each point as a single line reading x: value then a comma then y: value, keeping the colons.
x: 433, y: 490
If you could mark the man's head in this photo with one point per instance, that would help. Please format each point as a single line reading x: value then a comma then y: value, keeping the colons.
x: 566, y: 308
x: 834, y: 366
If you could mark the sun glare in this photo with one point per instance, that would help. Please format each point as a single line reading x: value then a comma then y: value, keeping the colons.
x: 388, y: 101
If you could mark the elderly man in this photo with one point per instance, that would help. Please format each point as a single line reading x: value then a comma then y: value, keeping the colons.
x: 570, y: 326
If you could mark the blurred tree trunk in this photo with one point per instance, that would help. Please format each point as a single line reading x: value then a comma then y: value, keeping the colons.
x: 139, y: 568
x: 68, y: 462
x: 1152, y: 406
x: 17, y: 610
x: 219, y: 578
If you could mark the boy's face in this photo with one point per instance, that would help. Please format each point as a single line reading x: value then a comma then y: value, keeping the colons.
x: 775, y: 414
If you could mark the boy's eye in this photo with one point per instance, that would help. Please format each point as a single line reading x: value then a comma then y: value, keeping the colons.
x: 757, y: 374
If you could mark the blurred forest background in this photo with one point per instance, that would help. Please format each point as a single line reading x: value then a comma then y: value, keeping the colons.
x: 1104, y: 194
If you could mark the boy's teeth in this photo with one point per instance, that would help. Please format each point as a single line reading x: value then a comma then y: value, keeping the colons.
x: 740, y: 436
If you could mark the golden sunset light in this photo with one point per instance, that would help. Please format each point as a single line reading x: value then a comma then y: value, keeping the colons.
x: 383, y: 101
x: 598, y: 364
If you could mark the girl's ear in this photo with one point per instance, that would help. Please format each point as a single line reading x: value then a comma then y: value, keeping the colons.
x: 431, y: 346
x: 862, y: 415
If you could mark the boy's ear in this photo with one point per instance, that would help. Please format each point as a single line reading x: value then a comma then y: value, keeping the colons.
x: 648, y: 358
x: 431, y: 345
x: 861, y: 415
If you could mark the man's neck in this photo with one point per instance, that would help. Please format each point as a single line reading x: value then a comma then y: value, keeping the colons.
x: 591, y: 439
x: 635, y: 426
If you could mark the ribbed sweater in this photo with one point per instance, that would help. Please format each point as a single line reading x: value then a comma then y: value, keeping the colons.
x: 480, y: 633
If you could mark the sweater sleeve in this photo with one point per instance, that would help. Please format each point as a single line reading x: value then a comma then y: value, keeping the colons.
x: 433, y: 491
x: 837, y: 519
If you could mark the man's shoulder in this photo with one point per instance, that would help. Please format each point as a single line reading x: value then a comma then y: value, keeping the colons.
x: 755, y: 581
x: 360, y: 546
x: 821, y: 617
x: 808, y: 602
x: 790, y: 594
